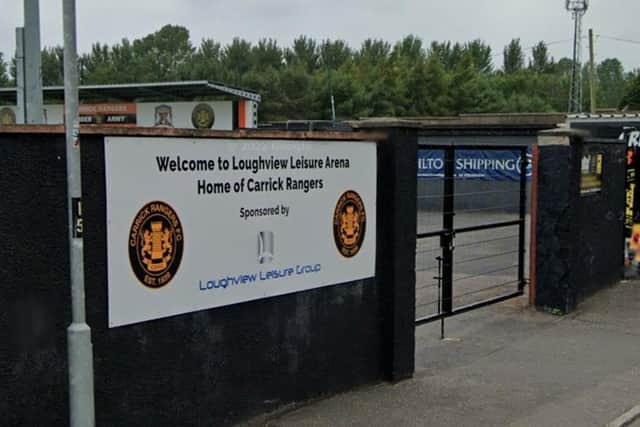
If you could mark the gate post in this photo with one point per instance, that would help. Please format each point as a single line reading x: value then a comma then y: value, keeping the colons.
x: 558, y: 185
x: 579, y: 217
x: 397, y: 184
x: 446, y: 242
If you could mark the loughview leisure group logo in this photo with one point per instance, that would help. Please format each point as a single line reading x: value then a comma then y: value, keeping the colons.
x: 156, y: 243
x: 349, y: 223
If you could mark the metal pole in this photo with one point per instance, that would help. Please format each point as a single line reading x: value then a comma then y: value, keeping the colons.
x: 524, y: 162
x: 592, y: 72
x: 572, y: 89
x: 579, y: 62
x: 446, y: 241
x: 439, y: 259
x: 80, y: 352
x: 333, y: 104
x: 20, y: 95
x: 575, y: 91
x: 32, y: 62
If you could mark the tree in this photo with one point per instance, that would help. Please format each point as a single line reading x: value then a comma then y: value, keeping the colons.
x: 304, y: 52
x: 374, y: 77
x: 334, y: 53
x: 378, y: 79
x: 4, y: 77
x: 267, y: 83
x: 513, y: 57
x: 481, y: 54
x: 416, y: 90
x: 631, y: 98
x: 611, y: 83
x: 206, y: 62
x: 52, y: 63
x: 450, y: 55
x: 372, y: 53
x: 98, y: 66
x: 436, y: 97
x: 236, y: 60
x: 540, y: 62
x: 126, y: 66
x: 463, y: 87
x: 163, y: 55
x: 351, y: 99
x: 298, y: 95
x: 409, y: 48
x: 266, y: 54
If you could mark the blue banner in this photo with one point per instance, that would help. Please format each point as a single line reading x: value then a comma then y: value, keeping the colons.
x: 488, y: 165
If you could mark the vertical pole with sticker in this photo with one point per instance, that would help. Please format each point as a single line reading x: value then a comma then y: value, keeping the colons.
x: 80, y: 349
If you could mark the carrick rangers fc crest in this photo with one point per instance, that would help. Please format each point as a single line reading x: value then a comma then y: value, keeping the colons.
x: 349, y: 221
x: 7, y: 116
x: 202, y: 116
x: 156, y: 242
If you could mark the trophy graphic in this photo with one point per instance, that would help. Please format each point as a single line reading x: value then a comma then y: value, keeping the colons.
x: 265, y: 247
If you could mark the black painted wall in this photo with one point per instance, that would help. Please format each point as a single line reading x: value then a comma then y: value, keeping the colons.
x: 213, y: 367
x: 34, y: 295
x: 580, y: 246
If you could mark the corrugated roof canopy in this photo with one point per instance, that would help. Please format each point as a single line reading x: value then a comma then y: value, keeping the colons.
x: 188, y: 90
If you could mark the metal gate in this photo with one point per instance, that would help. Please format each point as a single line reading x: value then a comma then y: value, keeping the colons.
x: 471, y: 231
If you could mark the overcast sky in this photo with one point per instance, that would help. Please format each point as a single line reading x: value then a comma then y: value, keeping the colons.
x: 494, y: 21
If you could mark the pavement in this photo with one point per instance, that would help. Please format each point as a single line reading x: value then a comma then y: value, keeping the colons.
x: 505, y: 365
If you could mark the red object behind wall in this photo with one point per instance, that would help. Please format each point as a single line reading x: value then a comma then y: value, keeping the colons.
x: 242, y: 114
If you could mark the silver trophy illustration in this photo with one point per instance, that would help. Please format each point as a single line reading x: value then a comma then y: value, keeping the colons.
x: 265, y: 247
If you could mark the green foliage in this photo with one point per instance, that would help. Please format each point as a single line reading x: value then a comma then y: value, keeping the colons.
x: 450, y: 55
x: 52, y: 60
x: 553, y: 311
x: 463, y: 88
x: 513, y: 57
x: 437, y: 99
x: 481, y: 54
x: 236, y: 60
x: 267, y: 54
x: 407, y: 78
x: 206, y: 62
x: 373, y: 53
x: 334, y: 53
x: 304, y: 52
x: 631, y: 99
x: 163, y: 55
x: 611, y: 83
x: 540, y: 61
x: 4, y: 77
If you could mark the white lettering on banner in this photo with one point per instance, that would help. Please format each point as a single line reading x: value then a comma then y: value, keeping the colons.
x: 497, y: 164
x: 482, y: 164
x: 198, y: 224
x: 430, y: 163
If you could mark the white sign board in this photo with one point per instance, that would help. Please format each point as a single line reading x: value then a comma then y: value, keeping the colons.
x: 194, y: 224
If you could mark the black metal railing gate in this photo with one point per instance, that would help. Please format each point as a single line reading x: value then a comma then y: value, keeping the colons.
x: 471, y: 235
